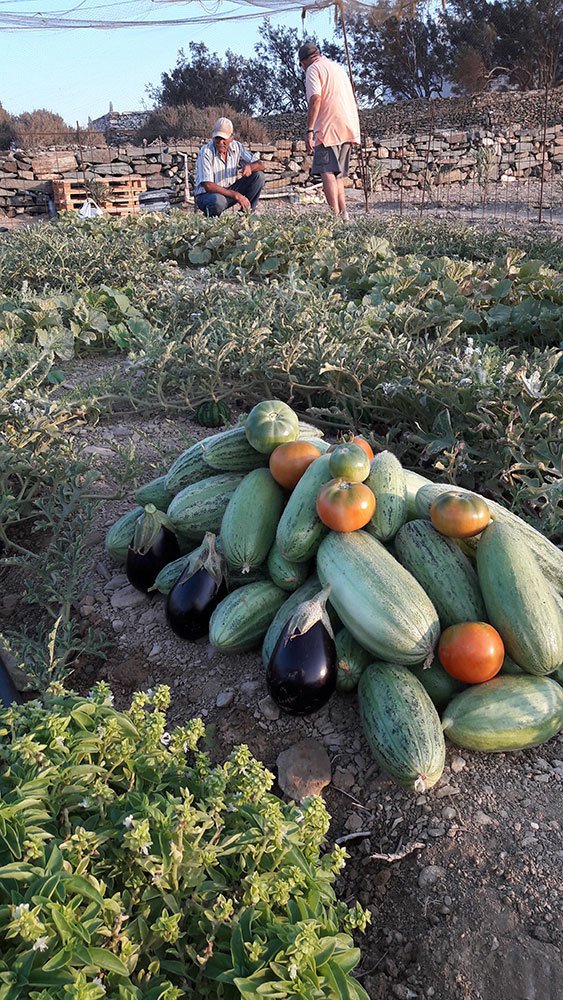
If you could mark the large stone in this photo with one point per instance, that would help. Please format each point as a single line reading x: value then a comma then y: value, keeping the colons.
x: 50, y: 164
x: 304, y: 769
x: 98, y: 154
x: 147, y: 168
x: 117, y: 169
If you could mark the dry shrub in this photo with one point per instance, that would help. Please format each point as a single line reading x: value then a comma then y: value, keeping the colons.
x: 41, y: 128
x: 188, y: 122
x: 7, y: 131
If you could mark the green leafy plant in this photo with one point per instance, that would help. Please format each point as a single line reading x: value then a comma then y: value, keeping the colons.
x: 131, y: 867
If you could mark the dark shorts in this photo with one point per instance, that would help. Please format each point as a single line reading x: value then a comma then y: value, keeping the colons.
x: 332, y: 159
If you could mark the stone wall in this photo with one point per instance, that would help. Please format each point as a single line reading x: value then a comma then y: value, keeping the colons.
x: 433, y: 159
x: 481, y: 111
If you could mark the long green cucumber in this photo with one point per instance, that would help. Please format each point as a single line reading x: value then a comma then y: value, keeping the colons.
x: 507, y: 713
x: 520, y: 602
x: 444, y: 572
x: 120, y: 535
x: 229, y: 451
x: 401, y: 725
x: 414, y: 482
x: 154, y: 492
x: 352, y: 660
x: 284, y: 573
x: 201, y: 506
x: 549, y: 557
x: 387, y: 482
x: 381, y: 604
x: 241, y: 620
x: 249, y: 524
x: 188, y: 468
x: 440, y: 685
x: 300, y: 529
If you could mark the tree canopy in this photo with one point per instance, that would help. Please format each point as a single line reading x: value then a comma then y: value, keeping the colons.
x: 470, y: 46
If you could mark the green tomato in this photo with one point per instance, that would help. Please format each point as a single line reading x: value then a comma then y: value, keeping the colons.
x: 349, y: 462
x: 270, y: 424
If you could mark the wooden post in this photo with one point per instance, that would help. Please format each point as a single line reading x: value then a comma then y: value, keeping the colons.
x: 544, y: 151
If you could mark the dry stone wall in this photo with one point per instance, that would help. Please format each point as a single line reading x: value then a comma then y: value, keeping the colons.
x: 432, y: 159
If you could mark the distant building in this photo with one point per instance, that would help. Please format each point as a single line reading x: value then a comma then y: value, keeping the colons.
x: 118, y: 127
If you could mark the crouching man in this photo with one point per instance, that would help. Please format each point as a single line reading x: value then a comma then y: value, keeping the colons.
x: 218, y: 163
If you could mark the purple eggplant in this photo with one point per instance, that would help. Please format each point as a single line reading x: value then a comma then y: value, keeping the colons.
x: 197, y: 593
x: 154, y: 545
x: 9, y: 694
x: 302, y: 670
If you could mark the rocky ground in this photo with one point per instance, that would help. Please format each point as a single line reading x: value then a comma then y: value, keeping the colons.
x: 463, y: 883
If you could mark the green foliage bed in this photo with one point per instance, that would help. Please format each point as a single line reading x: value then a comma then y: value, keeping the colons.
x: 131, y: 868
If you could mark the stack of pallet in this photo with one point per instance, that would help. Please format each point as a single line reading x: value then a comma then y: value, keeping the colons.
x: 71, y: 193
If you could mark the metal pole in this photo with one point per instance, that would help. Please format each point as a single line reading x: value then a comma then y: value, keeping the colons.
x: 544, y: 150
x: 339, y: 5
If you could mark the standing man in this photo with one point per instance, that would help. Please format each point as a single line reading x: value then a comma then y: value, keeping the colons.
x: 218, y: 163
x: 333, y: 123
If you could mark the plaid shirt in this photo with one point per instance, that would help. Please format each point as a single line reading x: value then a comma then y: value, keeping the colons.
x: 211, y: 167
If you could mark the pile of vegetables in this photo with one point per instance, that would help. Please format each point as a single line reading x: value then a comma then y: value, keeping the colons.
x: 443, y: 609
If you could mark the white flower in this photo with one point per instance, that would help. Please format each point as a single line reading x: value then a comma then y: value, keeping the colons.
x: 20, y: 910
x: 59, y: 742
x: 298, y: 816
x: 41, y: 944
x: 144, y: 848
x: 109, y: 699
x: 98, y: 982
x: 533, y: 385
x: 84, y: 803
x: 128, y: 822
x: 292, y: 971
x: 165, y: 739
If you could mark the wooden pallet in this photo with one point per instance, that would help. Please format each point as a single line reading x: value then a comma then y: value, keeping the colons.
x: 70, y: 194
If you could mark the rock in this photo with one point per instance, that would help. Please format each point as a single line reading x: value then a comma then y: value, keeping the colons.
x: 343, y: 779
x: 457, y: 764
x: 269, y: 708
x: 248, y: 688
x: 482, y: 819
x: 117, y: 581
x: 225, y: 698
x: 127, y: 597
x: 130, y: 673
x: 354, y: 823
x: 430, y: 875
x: 303, y: 769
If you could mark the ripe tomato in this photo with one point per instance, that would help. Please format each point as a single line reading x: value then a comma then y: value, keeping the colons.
x: 471, y: 651
x: 289, y: 461
x: 363, y: 444
x: 350, y: 462
x: 345, y: 506
x: 458, y: 515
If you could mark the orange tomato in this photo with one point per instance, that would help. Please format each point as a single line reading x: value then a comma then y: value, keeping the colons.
x: 471, y: 651
x: 459, y: 516
x: 363, y: 444
x: 289, y: 461
x: 345, y: 506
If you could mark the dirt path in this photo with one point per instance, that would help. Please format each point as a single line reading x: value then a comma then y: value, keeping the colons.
x: 473, y: 912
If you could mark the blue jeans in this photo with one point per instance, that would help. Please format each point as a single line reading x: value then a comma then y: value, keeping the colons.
x: 250, y: 187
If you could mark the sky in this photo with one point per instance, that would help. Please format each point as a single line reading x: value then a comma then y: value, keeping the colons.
x: 77, y: 72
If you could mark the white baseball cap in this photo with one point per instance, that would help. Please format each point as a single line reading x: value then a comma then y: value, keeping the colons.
x: 223, y: 127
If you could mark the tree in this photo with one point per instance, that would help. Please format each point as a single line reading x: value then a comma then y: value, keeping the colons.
x: 404, y: 58
x: 519, y: 40
x: 40, y: 127
x: 202, y: 79
x: 274, y: 76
